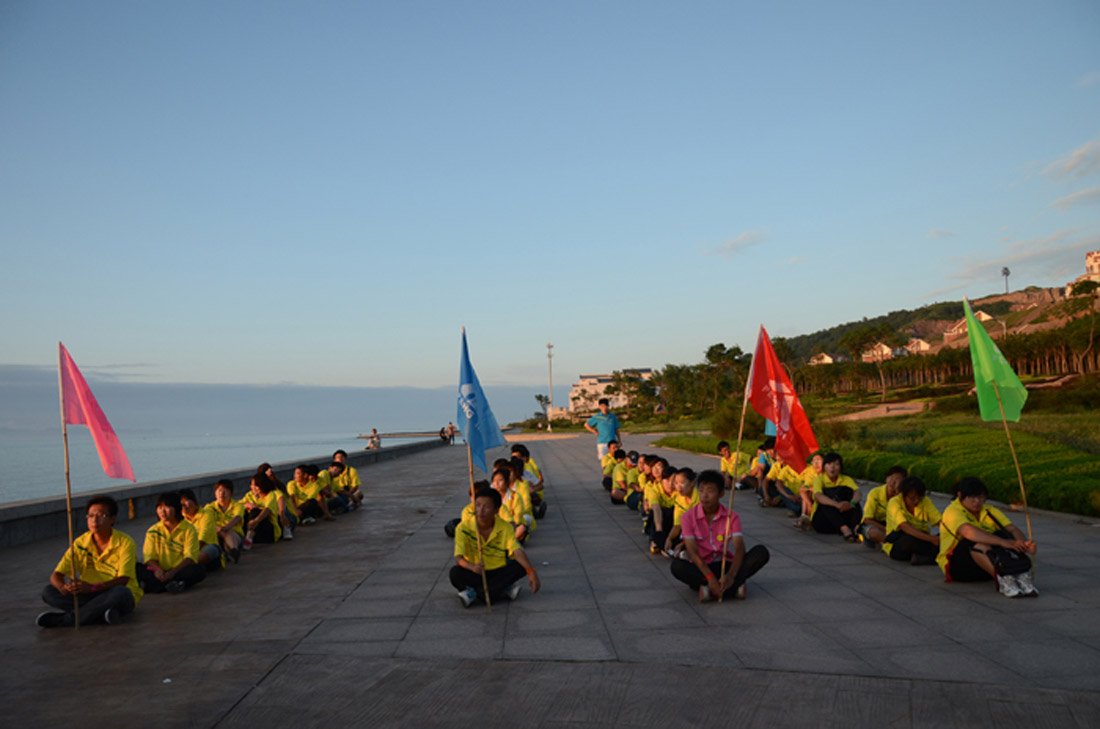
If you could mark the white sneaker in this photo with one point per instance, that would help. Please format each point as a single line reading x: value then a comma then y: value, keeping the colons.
x: 248, y: 540
x: 704, y: 593
x: 1027, y: 587
x: 467, y: 596
x: 741, y: 591
x: 513, y: 590
x: 1008, y: 586
x: 287, y: 533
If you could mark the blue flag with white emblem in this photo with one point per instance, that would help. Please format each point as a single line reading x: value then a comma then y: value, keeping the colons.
x: 475, y: 417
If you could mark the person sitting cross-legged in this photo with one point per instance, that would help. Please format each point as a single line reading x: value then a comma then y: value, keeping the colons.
x: 171, y: 550
x: 497, y: 544
x: 709, y: 530
x: 105, y: 586
x: 910, y: 516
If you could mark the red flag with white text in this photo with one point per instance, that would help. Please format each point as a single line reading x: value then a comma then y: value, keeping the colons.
x: 79, y: 407
x: 772, y: 395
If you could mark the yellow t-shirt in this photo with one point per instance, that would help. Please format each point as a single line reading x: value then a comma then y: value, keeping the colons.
x: 119, y: 559
x: 955, y: 516
x: 619, y: 474
x: 609, y: 458
x: 169, y: 548
x: 324, y: 480
x: 221, y: 518
x: 808, y: 475
x: 523, y: 507
x: 205, y: 526
x: 924, y: 517
x: 348, y: 480
x: 822, y: 482
x: 790, y: 477
x: 744, y: 464
x: 500, y: 545
x: 682, y: 503
x: 269, y: 502
x: 301, y: 493
x: 875, y: 506
x: 665, y: 499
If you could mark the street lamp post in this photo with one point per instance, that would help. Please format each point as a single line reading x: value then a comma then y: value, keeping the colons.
x: 550, y: 366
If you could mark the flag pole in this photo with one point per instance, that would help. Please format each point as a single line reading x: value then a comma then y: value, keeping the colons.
x: 733, y: 486
x: 68, y: 487
x: 1015, y: 460
x: 477, y: 529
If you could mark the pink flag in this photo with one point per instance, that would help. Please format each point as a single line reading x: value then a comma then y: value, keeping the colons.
x: 772, y: 395
x: 79, y: 407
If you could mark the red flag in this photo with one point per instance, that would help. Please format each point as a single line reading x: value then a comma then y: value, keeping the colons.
x: 79, y: 407
x: 772, y: 395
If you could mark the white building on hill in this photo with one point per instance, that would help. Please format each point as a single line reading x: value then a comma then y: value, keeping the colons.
x: 1092, y: 271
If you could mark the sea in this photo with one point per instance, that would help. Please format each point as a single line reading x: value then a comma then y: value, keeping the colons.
x: 175, y: 430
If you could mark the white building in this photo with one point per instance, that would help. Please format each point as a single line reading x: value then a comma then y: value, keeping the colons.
x: 1092, y: 271
x: 588, y: 389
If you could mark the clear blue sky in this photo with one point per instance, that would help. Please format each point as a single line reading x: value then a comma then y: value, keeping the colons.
x: 324, y: 193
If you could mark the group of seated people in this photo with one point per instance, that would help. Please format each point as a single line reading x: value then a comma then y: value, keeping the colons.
x: 100, y: 580
x: 685, y: 519
x: 495, y: 527
x: 973, y: 542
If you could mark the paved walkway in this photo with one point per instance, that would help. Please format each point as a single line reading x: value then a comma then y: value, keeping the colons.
x: 356, y: 622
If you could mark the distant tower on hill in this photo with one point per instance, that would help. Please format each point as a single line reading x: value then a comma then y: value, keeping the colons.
x: 1005, y: 272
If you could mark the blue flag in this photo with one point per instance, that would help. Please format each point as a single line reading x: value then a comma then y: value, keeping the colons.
x: 475, y: 417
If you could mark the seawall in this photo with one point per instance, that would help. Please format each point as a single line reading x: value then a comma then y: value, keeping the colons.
x: 26, y: 521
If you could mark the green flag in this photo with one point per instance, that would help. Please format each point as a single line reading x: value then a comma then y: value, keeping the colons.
x: 990, y: 366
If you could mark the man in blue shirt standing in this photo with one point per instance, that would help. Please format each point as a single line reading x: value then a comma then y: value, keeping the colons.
x: 606, y: 427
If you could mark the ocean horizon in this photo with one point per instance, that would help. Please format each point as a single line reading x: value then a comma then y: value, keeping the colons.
x: 176, y: 430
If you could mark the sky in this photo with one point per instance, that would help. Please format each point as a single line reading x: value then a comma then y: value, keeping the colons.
x: 323, y: 194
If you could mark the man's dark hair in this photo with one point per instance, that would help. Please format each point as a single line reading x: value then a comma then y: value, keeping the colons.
x: 897, y: 470
x: 490, y: 493
x: 971, y: 486
x: 834, y: 457
x: 911, y: 484
x: 105, y: 501
x: 712, y: 477
x: 187, y: 494
x: 604, y: 401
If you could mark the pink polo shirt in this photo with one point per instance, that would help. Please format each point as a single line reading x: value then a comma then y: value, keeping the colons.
x: 710, y: 536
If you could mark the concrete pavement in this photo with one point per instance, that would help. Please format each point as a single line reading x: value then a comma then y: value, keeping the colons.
x: 356, y: 622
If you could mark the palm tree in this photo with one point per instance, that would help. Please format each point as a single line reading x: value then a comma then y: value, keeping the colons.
x: 1005, y: 272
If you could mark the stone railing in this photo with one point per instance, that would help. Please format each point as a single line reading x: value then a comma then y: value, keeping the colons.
x: 26, y: 521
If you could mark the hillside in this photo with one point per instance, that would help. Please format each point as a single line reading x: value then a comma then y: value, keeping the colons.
x: 1030, y: 309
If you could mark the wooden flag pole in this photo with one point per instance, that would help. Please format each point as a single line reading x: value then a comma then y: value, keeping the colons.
x: 477, y: 529
x: 733, y: 486
x: 1015, y: 460
x: 68, y: 490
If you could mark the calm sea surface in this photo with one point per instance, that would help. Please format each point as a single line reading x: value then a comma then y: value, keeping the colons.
x: 34, y: 466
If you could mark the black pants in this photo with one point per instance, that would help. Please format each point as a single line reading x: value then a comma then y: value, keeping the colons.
x: 689, y: 574
x: 190, y: 575
x: 906, y: 545
x: 829, y: 519
x: 92, y: 605
x: 659, y: 537
x: 265, y: 532
x: 961, y: 566
x: 633, y: 499
x: 499, y: 579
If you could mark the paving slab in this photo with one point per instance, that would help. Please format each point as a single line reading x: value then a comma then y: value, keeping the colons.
x: 356, y: 621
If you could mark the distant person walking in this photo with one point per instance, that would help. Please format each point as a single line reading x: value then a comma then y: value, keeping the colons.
x: 451, y: 430
x: 606, y: 427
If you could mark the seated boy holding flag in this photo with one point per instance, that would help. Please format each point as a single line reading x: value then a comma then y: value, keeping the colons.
x: 105, y: 584
x: 497, y: 544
